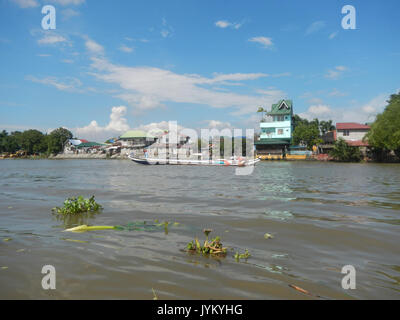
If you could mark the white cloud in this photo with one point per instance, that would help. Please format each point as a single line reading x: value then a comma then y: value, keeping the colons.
x: 69, y: 13
x: 166, y: 30
x: 271, y: 92
x: 335, y: 73
x: 222, y: 24
x: 140, y: 40
x: 117, y: 126
x: 315, y: 100
x: 52, y: 39
x: 279, y: 75
x: 68, y: 84
x: 126, y: 49
x: 67, y: 2
x: 375, y: 105
x: 26, y: 3
x: 337, y: 93
x: 147, y: 87
x: 225, y: 24
x: 332, y: 35
x: 319, y: 109
x: 44, y: 55
x: 352, y: 113
x: 322, y: 112
x: 264, y: 41
x: 93, y: 47
x: 67, y: 61
x: 216, y: 124
x: 315, y: 27
x: 156, y: 128
x: 164, y: 33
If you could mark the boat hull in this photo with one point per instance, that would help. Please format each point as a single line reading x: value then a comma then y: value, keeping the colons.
x: 221, y: 162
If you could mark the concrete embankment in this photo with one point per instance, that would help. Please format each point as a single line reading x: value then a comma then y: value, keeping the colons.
x: 88, y: 156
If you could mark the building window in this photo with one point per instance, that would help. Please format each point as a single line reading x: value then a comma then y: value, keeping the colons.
x: 346, y: 132
x: 280, y: 131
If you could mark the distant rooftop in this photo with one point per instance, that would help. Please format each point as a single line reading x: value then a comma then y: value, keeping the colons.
x: 357, y: 143
x: 135, y: 134
x: 281, y: 108
x: 351, y: 126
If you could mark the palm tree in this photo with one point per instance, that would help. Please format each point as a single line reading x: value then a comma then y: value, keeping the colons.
x: 261, y: 109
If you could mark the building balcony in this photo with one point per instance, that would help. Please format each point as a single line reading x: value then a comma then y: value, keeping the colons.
x: 276, y: 124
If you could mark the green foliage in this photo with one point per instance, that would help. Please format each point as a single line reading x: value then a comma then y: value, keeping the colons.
x: 306, y: 133
x: 78, y: 205
x: 244, y: 255
x: 10, y: 142
x: 56, y: 140
x: 343, y: 152
x: 297, y: 120
x: 309, y: 132
x: 34, y: 141
x: 325, y: 126
x: 384, y: 135
x: 213, y: 247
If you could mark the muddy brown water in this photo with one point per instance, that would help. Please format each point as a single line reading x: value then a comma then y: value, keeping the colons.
x: 322, y: 216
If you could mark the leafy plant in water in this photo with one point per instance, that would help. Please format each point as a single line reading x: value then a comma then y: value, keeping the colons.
x: 78, y: 205
x: 213, y: 247
x: 244, y: 255
x: 131, y: 226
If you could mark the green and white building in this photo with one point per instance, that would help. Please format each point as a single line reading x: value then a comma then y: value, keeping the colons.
x: 276, y: 129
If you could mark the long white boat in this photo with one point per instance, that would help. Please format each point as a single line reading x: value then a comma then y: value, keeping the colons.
x: 240, y: 162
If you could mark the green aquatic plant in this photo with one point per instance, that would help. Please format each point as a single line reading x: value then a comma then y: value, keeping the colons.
x: 78, y: 205
x: 207, y: 232
x: 268, y: 236
x: 85, y: 228
x: 244, y: 255
x: 154, y: 295
x: 213, y: 247
x: 131, y: 226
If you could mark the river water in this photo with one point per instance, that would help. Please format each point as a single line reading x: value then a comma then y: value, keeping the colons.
x: 322, y: 216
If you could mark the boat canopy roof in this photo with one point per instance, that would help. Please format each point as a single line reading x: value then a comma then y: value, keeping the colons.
x: 90, y: 145
x: 132, y: 134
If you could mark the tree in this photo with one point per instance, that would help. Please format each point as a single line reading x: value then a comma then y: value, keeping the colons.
x: 297, y: 120
x: 3, y: 137
x: 261, y: 110
x: 56, y: 140
x: 11, y: 142
x: 307, y: 134
x: 384, y: 135
x: 325, y: 126
x: 33, y: 141
x: 343, y: 152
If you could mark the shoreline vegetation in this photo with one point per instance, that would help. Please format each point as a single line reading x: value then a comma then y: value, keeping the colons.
x: 383, y: 140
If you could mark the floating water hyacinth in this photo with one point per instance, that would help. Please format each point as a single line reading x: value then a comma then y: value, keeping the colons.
x: 154, y: 295
x: 244, y: 255
x: 213, y: 247
x: 132, y: 226
x: 78, y: 205
x: 85, y: 228
x: 268, y: 236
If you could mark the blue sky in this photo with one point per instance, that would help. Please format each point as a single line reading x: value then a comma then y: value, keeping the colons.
x: 114, y: 65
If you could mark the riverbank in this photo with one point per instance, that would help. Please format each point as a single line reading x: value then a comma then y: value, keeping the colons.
x: 88, y: 156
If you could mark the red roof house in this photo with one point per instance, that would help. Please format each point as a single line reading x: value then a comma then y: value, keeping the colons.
x: 353, y: 133
x: 352, y: 126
